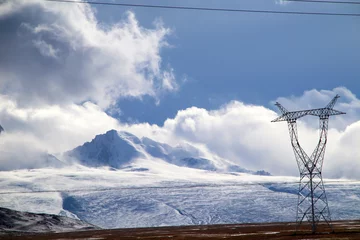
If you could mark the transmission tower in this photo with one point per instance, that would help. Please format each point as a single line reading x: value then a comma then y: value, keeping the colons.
x: 312, y: 202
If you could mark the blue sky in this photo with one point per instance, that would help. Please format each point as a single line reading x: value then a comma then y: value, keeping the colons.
x: 254, y: 58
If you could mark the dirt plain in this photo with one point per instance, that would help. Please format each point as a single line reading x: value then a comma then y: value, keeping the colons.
x: 282, y: 231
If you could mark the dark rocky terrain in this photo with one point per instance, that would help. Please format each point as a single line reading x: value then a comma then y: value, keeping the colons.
x: 12, y: 222
x: 281, y: 231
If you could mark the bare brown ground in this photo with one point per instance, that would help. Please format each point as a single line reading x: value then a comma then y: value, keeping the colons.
x: 342, y: 230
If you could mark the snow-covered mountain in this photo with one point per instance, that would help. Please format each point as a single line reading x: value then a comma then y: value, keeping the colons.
x: 111, y: 149
x: 16, y: 221
x: 122, y: 149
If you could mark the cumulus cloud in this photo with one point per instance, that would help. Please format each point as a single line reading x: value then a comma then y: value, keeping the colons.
x: 56, y: 53
x: 60, y: 70
x: 54, y: 128
x: 33, y: 133
x: 239, y: 132
x: 244, y: 134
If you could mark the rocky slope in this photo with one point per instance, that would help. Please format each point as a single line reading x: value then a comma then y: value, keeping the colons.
x: 16, y: 221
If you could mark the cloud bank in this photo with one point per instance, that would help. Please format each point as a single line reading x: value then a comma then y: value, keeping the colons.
x: 57, y: 53
x: 239, y: 132
x: 244, y: 133
x: 61, y: 71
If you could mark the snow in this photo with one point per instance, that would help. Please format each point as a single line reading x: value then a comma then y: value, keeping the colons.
x: 164, y: 195
x: 110, y: 149
x: 122, y: 149
x: 144, y: 183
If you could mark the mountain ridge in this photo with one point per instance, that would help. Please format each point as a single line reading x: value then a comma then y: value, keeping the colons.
x: 119, y: 149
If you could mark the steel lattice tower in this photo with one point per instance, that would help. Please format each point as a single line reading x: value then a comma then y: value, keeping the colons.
x: 312, y: 202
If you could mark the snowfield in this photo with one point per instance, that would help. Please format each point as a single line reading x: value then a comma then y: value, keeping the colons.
x: 165, y: 195
x: 120, y: 181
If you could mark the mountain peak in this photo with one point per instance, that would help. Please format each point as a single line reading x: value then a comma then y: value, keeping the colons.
x: 112, y: 149
x: 111, y: 132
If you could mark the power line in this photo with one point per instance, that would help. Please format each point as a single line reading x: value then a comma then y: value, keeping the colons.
x: 319, y: 1
x: 211, y: 9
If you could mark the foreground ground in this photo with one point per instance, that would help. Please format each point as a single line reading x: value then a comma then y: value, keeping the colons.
x: 342, y: 230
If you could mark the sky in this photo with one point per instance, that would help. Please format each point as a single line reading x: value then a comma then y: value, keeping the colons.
x: 71, y: 71
x: 253, y: 58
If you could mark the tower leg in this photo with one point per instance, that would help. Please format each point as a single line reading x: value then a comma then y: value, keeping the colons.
x: 312, y: 202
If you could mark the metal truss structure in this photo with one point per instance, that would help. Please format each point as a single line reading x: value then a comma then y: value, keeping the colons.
x: 312, y: 202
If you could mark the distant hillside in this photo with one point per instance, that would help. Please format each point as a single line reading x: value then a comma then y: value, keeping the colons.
x: 15, y: 221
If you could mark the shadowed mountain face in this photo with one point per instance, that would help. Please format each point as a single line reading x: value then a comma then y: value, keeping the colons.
x: 1, y: 129
x: 183, y: 156
x: 109, y: 149
x: 11, y: 221
x: 167, y: 152
x: 118, y: 150
x: 198, y: 163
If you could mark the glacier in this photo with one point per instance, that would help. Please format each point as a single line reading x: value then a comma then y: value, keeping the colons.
x: 174, y: 196
x: 118, y: 180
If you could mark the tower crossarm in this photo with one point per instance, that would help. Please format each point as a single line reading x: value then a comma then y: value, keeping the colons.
x: 281, y: 108
x: 332, y: 102
x: 320, y: 112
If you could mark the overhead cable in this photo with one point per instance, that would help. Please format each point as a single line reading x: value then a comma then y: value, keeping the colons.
x: 211, y: 9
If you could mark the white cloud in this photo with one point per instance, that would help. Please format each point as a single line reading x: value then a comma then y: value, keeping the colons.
x: 56, y: 53
x: 30, y: 133
x: 238, y: 132
x: 281, y: 2
x: 60, y: 69
x: 54, y: 128
x: 244, y: 134
x: 348, y: 103
x: 46, y: 49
